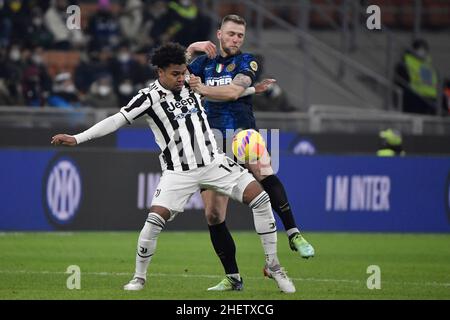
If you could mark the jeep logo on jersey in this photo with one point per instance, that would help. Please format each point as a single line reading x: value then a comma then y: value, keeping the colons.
x: 62, y: 190
x: 182, y: 103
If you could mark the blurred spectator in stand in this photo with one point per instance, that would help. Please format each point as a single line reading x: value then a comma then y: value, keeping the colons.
x: 418, y: 78
x: 37, y: 33
x: 101, y: 94
x: 55, y: 22
x: 36, y: 82
x: 131, y: 21
x: 151, y: 33
x: 274, y: 98
x: 147, y: 73
x: 5, y: 25
x: 5, y: 99
x: 446, y: 97
x: 391, y: 144
x: 14, y: 20
x: 103, y: 26
x: 92, y: 64
x: 64, y: 93
x: 125, y: 92
x: 11, y: 70
x: 182, y: 23
x: 125, y: 71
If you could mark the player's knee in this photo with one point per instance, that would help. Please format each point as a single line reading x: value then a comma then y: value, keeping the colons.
x: 214, y: 215
x: 161, y: 211
x: 252, y: 191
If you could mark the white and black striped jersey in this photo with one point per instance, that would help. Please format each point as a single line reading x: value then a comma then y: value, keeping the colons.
x: 179, y: 124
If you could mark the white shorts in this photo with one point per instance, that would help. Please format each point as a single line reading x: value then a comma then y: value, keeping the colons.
x: 223, y: 175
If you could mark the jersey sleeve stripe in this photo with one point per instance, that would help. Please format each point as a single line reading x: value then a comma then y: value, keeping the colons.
x: 125, y: 117
x: 136, y: 103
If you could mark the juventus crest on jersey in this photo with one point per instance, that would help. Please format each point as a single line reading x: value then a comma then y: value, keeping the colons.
x: 179, y: 124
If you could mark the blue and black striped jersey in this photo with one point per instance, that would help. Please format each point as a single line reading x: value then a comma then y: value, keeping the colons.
x: 221, y: 71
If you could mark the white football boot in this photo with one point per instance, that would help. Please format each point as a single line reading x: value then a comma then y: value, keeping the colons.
x: 278, y: 274
x: 134, y: 285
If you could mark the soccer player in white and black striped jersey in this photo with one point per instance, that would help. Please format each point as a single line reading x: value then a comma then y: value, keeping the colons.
x: 189, y: 159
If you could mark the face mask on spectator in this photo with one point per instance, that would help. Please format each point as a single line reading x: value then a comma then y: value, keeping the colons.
x: 14, y: 55
x: 185, y: 3
x: 37, y: 59
x: 37, y: 21
x: 125, y: 88
x: 104, y: 90
x: 421, y: 52
x: 123, y: 57
x: 158, y: 9
x: 70, y: 88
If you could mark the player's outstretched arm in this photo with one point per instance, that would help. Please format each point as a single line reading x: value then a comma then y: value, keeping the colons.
x: 64, y: 139
x: 100, y: 129
x: 259, y: 87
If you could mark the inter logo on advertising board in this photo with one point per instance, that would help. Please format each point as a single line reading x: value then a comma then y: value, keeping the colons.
x: 62, y: 190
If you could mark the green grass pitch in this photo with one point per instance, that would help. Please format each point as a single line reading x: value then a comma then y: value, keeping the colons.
x: 413, y: 266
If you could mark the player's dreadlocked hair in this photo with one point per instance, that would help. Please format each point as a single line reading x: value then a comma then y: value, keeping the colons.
x: 169, y: 53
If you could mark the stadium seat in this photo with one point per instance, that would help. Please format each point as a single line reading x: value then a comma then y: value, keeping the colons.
x: 226, y: 8
x: 389, y: 12
x: 88, y: 9
x: 323, y: 13
x: 437, y: 14
x: 61, y: 61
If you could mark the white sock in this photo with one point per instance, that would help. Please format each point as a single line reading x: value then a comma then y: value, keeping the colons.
x: 265, y: 226
x: 147, y: 243
x: 235, y: 276
x: 292, y: 231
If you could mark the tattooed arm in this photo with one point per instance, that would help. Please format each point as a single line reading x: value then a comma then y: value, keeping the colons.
x: 227, y: 92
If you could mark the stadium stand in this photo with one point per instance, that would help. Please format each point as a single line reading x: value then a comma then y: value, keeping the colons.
x: 354, y: 76
x: 61, y: 61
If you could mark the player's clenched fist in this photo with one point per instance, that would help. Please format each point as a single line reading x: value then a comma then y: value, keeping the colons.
x: 64, y: 139
x: 195, y: 82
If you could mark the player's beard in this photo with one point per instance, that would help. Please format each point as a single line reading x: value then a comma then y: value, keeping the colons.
x: 228, y: 51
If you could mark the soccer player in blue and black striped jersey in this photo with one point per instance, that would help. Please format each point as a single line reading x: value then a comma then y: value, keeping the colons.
x: 225, y: 80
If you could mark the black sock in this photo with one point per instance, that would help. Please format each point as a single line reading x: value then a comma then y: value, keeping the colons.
x: 278, y: 198
x: 224, y: 246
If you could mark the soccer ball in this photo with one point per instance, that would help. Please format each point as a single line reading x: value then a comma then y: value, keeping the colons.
x: 248, y: 145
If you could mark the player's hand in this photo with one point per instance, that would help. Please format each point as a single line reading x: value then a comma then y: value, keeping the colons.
x: 205, y: 46
x: 64, y: 139
x: 262, y: 86
x: 195, y: 83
